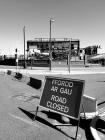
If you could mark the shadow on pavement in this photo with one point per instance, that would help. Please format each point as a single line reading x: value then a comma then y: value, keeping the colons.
x: 53, y: 115
x: 43, y: 121
x: 84, y: 124
x: 100, y: 126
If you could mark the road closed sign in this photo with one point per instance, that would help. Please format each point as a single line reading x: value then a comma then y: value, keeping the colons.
x: 62, y: 95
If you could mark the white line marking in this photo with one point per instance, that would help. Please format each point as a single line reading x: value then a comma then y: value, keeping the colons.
x: 24, y: 120
x: 95, y: 135
x: 92, y: 128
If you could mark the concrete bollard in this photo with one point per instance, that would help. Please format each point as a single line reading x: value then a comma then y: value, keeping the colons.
x: 36, y: 83
x: 18, y: 76
x: 9, y: 72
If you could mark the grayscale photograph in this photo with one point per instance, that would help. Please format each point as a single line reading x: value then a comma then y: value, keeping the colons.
x: 52, y: 70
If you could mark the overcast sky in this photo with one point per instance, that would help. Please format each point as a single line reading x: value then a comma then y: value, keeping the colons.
x: 77, y: 19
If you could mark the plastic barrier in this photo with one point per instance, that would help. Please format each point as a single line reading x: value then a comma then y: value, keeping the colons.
x: 89, y: 107
x: 36, y: 83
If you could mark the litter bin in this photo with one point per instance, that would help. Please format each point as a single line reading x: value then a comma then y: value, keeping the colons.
x: 25, y: 64
x: 103, y: 62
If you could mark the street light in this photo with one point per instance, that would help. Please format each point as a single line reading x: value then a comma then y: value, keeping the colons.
x: 50, y: 44
x: 24, y: 46
x: 69, y: 55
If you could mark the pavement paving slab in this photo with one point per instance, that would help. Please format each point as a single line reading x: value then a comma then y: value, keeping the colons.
x: 17, y: 123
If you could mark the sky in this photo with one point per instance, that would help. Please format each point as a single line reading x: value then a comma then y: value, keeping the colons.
x: 77, y: 19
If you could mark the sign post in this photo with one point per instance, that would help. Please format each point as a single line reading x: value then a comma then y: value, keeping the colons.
x: 69, y: 56
x: 16, y: 58
x: 63, y: 96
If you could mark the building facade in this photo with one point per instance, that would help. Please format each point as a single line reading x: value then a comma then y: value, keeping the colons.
x: 60, y: 47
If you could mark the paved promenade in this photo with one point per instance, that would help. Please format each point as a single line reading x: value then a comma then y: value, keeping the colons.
x: 55, y: 71
x: 15, y: 114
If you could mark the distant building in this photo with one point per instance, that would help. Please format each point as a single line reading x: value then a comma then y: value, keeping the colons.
x: 60, y: 46
x: 89, y: 51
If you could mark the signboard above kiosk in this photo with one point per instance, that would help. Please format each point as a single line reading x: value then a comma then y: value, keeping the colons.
x: 63, y: 96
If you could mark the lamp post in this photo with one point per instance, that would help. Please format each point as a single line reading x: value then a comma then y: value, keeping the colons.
x: 69, y: 55
x: 24, y: 46
x: 50, y: 45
